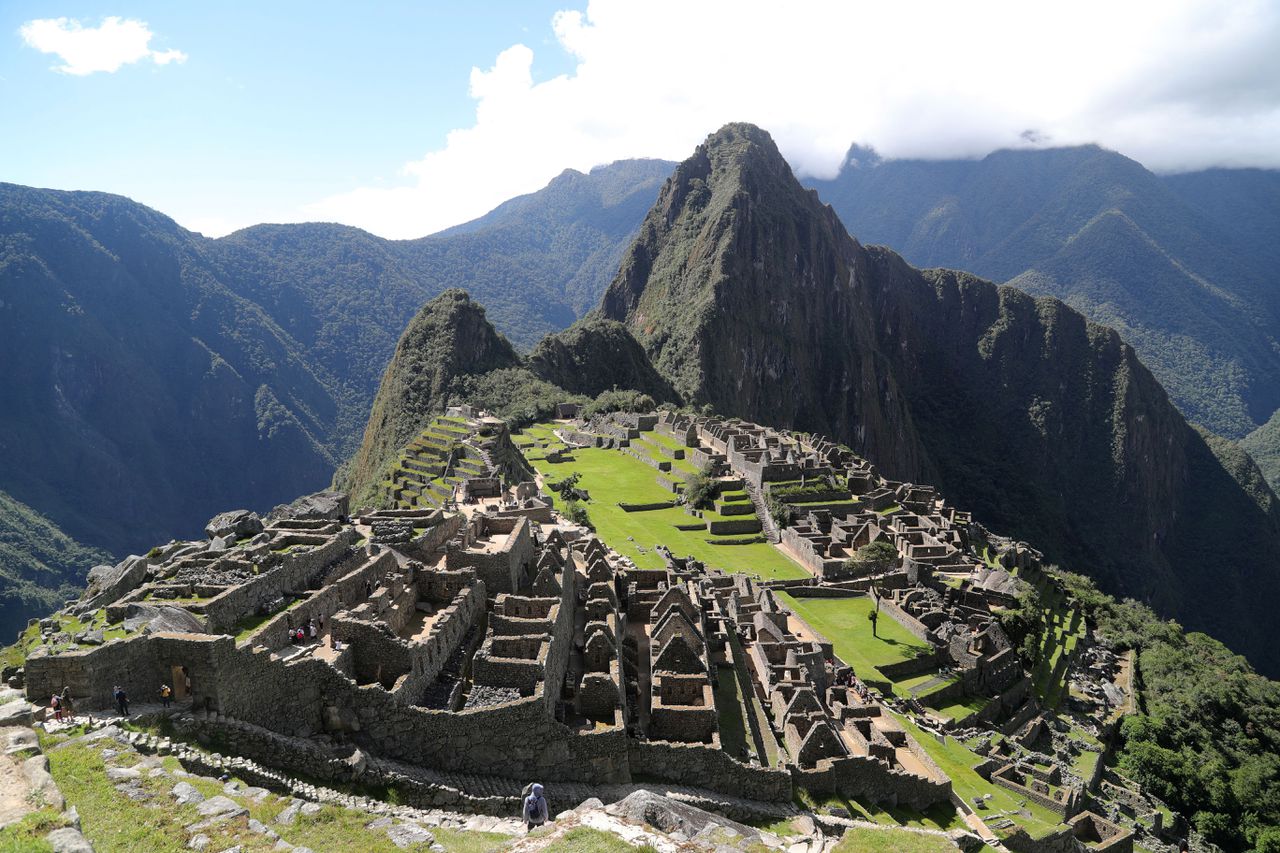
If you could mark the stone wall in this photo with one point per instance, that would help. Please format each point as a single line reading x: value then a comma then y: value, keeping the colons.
x: 871, y: 780
x: 323, y: 604
x: 694, y: 764
x: 295, y: 573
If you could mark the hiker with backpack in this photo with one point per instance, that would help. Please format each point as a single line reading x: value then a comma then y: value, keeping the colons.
x: 56, y: 704
x: 68, y: 711
x: 535, y: 808
x: 122, y: 700
x: 166, y: 695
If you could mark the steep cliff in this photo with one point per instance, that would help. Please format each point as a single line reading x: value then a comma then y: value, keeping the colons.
x: 748, y: 294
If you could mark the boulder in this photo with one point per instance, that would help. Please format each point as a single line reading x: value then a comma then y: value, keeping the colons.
x: 93, y: 637
x: 186, y: 793
x: 322, y: 506
x: 68, y: 840
x: 16, y: 713
x: 669, y: 815
x: 107, y: 583
x: 153, y: 618
x: 238, y: 523
x: 221, y: 808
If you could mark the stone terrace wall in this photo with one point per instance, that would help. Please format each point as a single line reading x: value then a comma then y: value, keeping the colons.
x: 870, y: 779
x: 701, y: 766
x: 223, y: 612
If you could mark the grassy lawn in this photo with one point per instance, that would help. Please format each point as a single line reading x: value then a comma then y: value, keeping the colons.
x: 844, y: 622
x: 961, y: 708
x: 610, y: 477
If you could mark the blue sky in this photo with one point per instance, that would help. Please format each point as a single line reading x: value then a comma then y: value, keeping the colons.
x: 404, y: 118
x: 276, y: 101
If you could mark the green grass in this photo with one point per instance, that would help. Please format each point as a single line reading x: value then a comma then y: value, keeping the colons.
x: 610, y: 476
x: 27, y: 835
x: 861, y: 839
x: 963, y: 707
x: 116, y: 824
x: 844, y: 622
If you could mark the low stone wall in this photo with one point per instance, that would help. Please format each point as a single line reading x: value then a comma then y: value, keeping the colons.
x: 701, y: 766
x: 626, y: 507
x: 731, y: 527
x: 871, y: 780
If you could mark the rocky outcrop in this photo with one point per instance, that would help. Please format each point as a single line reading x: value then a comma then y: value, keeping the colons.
x: 322, y: 506
x: 237, y: 523
x: 596, y: 355
x: 748, y: 294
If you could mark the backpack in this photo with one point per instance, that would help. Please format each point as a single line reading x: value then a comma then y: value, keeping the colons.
x: 532, y: 811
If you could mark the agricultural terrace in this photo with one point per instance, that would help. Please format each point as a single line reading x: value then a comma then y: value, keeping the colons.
x: 612, y: 477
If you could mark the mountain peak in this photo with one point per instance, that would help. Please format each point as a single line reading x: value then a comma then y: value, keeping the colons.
x: 449, y: 338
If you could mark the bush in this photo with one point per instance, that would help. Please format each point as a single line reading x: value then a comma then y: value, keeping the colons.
x: 700, y: 489
x: 577, y: 513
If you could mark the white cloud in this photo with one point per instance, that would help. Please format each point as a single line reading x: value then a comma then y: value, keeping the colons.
x: 1174, y: 83
x: 114, y: 43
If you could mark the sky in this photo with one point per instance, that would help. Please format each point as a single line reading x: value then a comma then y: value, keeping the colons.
x: 404, y: 118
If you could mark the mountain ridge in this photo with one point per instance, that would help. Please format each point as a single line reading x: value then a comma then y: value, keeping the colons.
x: 939, y: 376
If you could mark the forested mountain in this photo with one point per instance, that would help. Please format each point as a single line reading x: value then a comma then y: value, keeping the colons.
x: 1182, y: 266
x: 154, y: 377
x: 748, y: 295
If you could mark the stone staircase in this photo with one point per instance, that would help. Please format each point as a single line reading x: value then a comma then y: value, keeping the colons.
x: 770, y: 529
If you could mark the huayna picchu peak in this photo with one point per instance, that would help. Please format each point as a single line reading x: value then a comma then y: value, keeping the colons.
x: 785, y: 545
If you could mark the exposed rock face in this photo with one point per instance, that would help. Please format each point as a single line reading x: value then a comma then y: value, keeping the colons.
x: 748, y: 294
x: 447, y: 340
x: 107, y: 583
x: 237, y: 524
x: 596, y: 355
x: 322, y: 506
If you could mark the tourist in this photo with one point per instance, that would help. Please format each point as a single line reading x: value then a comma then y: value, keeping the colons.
x: 186, y: 681
x: 122, y: 700
x: 166, y: 695
x: 56, y: 705
x: 65, y: 700
x: 535, y: 808
x: 311, y: 626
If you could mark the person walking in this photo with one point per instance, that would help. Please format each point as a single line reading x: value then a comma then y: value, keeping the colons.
x: 311, y: 627
x: 122, y: 700
x: 55, y: 704
x: 67, y: 709
x: 535, y: 808
x: 166, y: 695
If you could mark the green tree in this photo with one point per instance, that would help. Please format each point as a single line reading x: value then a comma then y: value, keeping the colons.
x: 701, y: 488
